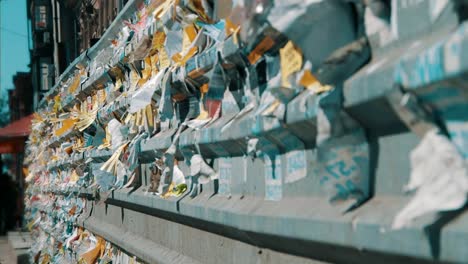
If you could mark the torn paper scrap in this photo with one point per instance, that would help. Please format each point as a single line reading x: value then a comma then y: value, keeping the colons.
x: 438, y: 175
x: 117, y: 136
x: 199, y: 168
x: 142, y: 97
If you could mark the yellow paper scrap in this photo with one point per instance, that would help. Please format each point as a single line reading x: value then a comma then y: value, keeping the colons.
x: 101, y: 97
x: 117, y: 85
x: 86, y: 119
x: 134, y: 79
x: 203, y: 113
x: 164, y: 61
x: 198, y: 7
x: 291, y: 62
x: 309, y: 81
x: 148, y: 68
x: 141, y: 122
x: 129, y: 118
x: 154, y: 61
x: 158, y: 41
x: 204, y: 89
x: 77, y: 146
x: 67, y: 124
x: 84, y: 105
x: 168, y: 193
x: 175, y: 191
x: 88, y: 113
x: 189, y: 35
x: 117, y: 72
x: 25, y: 171
x: 178, y: 59
x: 138, y: 118
x: 107, y: 140
x: 57, y: 105
x: 45, y: 259
x: 231, y: 28
x: 94, y: 102
x: 163, y: 8
x: 146, y: 72
x: 91, y: 256
x: 262, y: 47
x: 74, y: 176
x: 74, y: 84
x: 272, y: 108
x: 323, y: 88
x: 111, y: 164
x: 149, y: 116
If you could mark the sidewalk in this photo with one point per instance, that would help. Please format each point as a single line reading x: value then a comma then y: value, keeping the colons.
x: 6, y: 252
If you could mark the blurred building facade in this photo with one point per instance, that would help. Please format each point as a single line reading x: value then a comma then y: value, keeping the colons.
x: 11, y: 148
x: 20, y: 103
x: 20, y: 100
x: 61, y: 30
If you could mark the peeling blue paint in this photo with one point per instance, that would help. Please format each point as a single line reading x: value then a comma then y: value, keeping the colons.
x: 344, y: 166
x: 428, y: 67
x: 273, y: 177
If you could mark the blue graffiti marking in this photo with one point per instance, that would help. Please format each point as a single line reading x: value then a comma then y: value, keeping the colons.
x: 340, y: 168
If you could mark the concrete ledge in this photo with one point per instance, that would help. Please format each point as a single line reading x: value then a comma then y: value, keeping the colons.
x: 135, y: 244
x: 20, y: 243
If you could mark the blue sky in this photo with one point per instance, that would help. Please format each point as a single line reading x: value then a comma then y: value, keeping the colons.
x: 14, y: 46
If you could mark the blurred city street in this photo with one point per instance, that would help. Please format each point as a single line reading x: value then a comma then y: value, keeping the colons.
x: 6, y: 252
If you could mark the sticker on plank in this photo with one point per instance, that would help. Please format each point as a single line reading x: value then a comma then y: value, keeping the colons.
x: 296, y: 166
x: 225, y: 176
x: 273, y: 178
x: 296, y: 157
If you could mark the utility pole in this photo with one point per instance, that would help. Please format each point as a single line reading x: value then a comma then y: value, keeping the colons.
x: 1, y: 76
x: 1, y: 68
x: 1, y: 46
x: 55, y: 39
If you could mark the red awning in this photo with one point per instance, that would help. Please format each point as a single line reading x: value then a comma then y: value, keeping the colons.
x: 19, y: 128
x: 13, y: 136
